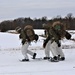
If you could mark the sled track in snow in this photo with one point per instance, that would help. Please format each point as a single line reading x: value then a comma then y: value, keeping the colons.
x: 68, y: 46
x: 38, y: 48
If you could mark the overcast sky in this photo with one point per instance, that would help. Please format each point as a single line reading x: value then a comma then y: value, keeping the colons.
x: 12, y: 9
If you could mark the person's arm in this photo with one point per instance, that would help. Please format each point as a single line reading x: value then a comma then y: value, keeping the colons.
x: 36, y: 37
x: 67, y: 35
x: 46, y: 41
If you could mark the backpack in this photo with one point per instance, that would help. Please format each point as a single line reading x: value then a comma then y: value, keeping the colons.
x: 29, y: 32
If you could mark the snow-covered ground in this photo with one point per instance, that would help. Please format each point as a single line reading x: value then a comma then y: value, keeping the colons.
x: 10, y: 53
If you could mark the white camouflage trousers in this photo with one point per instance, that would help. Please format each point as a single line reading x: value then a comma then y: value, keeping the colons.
x: 55, y: 50
x: 25, y: 50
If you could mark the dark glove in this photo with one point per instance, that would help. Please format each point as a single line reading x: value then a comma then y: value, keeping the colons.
x: 46, y: 41
x: 44, y: 44
x: 23, y: 42
x: 67, y: 35
x: 36, y: 37
x: 58, y: 43
x: 20, y: 36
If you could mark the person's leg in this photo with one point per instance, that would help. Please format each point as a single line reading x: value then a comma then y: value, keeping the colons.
x: 53, y: 49
x: 54, y: 52
x: 31, y: 53
x: 60, y: 53
x: 24, y: 50
x: 47, y: 49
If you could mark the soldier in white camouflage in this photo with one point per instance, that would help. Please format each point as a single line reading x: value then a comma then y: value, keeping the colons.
x: 27, y: 35
x: 53, y: 41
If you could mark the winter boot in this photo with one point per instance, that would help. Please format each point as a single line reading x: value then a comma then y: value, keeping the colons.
x: 25, y: 60
x: 34, y: 55
x: 45, y: 58
x: 62, y: 58
x: 54, y: 59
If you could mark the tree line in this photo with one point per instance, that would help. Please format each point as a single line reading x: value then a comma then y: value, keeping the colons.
x: 68, y: 20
